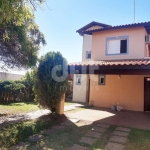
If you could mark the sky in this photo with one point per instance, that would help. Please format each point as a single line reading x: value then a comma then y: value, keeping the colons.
x: 59, y: 20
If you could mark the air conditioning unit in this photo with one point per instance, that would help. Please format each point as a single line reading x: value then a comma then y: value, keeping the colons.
x: 147, y: 38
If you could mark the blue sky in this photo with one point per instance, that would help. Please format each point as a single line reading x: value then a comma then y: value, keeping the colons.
x: 59, y: 20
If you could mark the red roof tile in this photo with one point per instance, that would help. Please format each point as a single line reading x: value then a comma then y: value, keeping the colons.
x: 144, y: 61
x: 145, y: 24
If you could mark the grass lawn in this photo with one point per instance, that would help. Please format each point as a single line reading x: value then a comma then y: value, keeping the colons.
x: 138, y: 140
x: 17, y: 108
x: 22, y: 107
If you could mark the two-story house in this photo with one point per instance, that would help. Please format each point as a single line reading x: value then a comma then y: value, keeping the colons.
x: 115, y: 67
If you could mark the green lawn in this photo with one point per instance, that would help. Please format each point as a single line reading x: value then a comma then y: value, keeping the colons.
x: 138, y: 140
x: 17, y: 108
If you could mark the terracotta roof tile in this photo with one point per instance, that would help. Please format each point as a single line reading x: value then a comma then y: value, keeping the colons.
x: 144, y: 61
x: 145, y: 24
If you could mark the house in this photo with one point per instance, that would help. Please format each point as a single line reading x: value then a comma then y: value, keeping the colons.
x: 115, y: 67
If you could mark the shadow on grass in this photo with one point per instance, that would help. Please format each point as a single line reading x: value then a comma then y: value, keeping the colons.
x: 13, y: 134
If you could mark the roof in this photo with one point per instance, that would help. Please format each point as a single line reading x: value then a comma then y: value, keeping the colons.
x: 144, y: 24
x: 93, y: 23
x: 121, y: 62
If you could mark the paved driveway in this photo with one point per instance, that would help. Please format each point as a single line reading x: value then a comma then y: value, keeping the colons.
x: 130, y: 119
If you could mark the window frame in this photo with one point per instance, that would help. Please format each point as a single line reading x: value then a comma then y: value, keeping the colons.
x: 87, y: 52
x: 125, y: 37
x: 99, y: 77
x: 78, y: 77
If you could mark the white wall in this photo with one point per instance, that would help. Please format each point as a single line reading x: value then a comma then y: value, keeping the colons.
x: 9, y: 76
x: 80, y: 91
x: 87, y: 46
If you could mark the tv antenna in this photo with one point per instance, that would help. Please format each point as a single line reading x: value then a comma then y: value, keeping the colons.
x: 134, y: 12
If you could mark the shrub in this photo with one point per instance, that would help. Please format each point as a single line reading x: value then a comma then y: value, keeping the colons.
x: 19, y: 90
x: 51, y: 81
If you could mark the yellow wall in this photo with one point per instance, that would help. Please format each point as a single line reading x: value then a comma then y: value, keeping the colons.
x: 137, y: 47
x: 128, y: 91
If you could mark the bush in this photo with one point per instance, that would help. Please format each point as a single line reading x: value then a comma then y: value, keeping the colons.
x: 19, y: 90
x: 51, y: 81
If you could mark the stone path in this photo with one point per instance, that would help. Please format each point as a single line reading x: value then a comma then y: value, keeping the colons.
x: 73, y: 106
x: 118, y: 139
x: 91, y: 137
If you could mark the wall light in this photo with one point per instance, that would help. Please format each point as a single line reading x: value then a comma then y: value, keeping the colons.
x: 119, y: 76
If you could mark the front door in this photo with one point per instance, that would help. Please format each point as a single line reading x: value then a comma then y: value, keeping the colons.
x: 146, y: 94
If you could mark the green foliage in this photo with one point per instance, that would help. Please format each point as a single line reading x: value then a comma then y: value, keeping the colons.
x: 50, y: 81
x: 20, y: 90
x: 20, y: 37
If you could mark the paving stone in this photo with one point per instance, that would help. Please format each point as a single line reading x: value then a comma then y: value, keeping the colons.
x: 73, y: 120
x: 123, y: 129
x: 103, y: 125
x: 118, y: 139
x: 88, y: 140
x: 83, y: 123
x: 114, y: 146
x: 77, y: 147
x: 94, y: 134
x: 67, y: 123
x: 20, y: 146
x: 35, y: 138
x: 48, y: 131
x: 120, y: 133
x: 98, y: 129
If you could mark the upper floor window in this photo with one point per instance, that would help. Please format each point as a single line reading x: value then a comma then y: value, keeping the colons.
x: 117, y: 45
x: 88, y: 54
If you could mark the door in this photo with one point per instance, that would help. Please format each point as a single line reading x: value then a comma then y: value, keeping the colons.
x: 88, y: 91
x: 146, y: 94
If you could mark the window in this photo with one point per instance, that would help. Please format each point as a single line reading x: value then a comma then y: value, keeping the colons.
x: 88, y: 54
x: 78, y: 79
x: 101, y: 79
x: 117, y: 45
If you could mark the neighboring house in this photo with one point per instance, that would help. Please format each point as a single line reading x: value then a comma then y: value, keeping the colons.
x: 115, y: 67
x: 10, y: 76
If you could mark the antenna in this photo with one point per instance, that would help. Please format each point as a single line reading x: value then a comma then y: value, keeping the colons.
x: 134, y: 12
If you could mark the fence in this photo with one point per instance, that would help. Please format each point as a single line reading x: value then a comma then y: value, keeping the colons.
x: 11, y: 91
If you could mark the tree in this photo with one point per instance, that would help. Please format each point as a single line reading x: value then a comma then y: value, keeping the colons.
x: 20, y: 37
x: 51, y: 81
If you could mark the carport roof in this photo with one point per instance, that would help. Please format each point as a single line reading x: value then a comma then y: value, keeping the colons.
x: 123, y: 66
x: 122, y: 62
